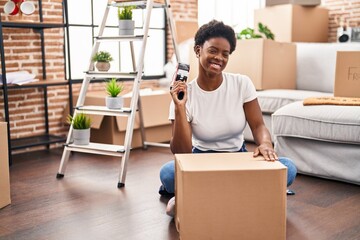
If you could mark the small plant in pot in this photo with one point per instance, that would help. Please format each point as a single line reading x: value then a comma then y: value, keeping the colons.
x: 81, y: 124
x: 263, y: 31
x: 126, y: 24
x: 113, y: 89
x: 102, y: 60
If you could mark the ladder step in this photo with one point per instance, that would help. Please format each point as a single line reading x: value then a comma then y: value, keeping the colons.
x: 103, y: 110
x: 119, y: 38
x: 95, y: 74
x: 98, y: 148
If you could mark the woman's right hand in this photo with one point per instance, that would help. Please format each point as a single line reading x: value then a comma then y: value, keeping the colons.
x: 175, y: 89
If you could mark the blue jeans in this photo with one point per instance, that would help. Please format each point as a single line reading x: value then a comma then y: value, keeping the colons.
x: 167, y: 171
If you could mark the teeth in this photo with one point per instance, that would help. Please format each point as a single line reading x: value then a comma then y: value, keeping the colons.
x: 215, y: 65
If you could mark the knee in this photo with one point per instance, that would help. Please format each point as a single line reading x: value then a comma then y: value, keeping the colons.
x: 291, y: 168
x: 163, y: 174
x: 167, y: 172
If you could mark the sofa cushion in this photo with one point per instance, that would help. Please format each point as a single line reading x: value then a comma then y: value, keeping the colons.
x: 316, y: 63
x: 273, y: 99
x: 320, y: 122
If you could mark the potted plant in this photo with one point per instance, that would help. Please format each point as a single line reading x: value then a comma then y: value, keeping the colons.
x: 113, y: 89
x: 81, y: 124
x: 102, y: 60
x: 126, y: 24
x: 249, y: 33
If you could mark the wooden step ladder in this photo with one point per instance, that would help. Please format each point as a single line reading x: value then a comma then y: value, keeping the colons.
x: 122, y: 152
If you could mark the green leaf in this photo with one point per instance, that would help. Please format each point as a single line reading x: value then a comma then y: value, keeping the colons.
x: 125, y: 13
x: 102, y: 56
x: 266, y: 31
x: 113, y: 89
x: 80, y: 121
x: 249, y: 33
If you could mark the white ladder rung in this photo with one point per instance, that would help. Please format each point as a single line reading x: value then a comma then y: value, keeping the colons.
x: 156, y: 144
x: 120, y: 38
x: 103, y: 110
x: 98, y: 148
x: 95, y: 74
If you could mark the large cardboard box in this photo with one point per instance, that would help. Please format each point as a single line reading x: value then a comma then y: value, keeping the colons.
x: 299, y: 2
x: 229, y: 196
x: 347, y: 76
x: 269, y: 64
x: 4, y: 167
x: 295, y: 23
x: 111, y: 130
x: 185, y: 30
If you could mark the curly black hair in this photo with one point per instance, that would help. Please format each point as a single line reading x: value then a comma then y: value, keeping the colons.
x: 215, y: 29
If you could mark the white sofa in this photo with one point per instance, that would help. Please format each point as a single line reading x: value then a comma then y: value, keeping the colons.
x: 323, y: 140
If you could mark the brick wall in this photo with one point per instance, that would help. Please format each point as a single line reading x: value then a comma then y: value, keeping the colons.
x: 23, y: 52
x: 348, y: 9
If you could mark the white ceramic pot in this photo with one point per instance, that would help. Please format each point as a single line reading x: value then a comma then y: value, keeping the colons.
x: 81, y: 136
x: 126, y: 27
x: 114, y: 102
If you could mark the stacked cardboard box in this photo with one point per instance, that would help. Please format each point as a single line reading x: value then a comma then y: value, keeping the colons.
x: 4, y: 167
x: 229, y: 196
x: 290, y: 21
x: 269, y: 64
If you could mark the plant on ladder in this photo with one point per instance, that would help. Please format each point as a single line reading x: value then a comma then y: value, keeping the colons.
x: 81, y: 124
x: 113, y: 89
x: 126, y: 24
x: 102, y: 59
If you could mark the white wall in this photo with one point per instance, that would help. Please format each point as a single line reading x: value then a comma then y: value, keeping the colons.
x: 237, y: 13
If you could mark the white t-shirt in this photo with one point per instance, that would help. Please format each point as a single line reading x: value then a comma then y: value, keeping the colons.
x: 217, y: 117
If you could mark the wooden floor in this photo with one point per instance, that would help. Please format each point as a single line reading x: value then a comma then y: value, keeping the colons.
x: 86, y: 203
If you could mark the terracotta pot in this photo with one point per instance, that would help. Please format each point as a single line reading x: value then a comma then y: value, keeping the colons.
x: 102, y: 66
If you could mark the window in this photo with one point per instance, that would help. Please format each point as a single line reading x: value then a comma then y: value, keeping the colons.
x: 84, y: 20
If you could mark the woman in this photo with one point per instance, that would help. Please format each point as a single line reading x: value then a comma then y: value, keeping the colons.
x: 213, y: 113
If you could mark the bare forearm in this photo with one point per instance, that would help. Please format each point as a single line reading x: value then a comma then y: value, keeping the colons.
x: 181, y: 139
x: 262, y: 136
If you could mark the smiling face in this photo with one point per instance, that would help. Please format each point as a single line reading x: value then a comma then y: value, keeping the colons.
x: 213, y: 55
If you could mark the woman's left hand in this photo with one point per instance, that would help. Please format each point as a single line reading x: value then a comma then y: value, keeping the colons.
x: 267, y: 151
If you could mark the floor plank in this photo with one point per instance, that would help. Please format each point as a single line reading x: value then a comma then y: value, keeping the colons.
x: 86, y: 203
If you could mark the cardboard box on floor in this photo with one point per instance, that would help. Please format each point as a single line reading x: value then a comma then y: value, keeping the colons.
x: 269, y: 64
x: 295, y: 23
x: 111, y: 130
x: 347, y: 76
x: 229, y: 196
x: 4, y: 167
x: 299, y: 2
